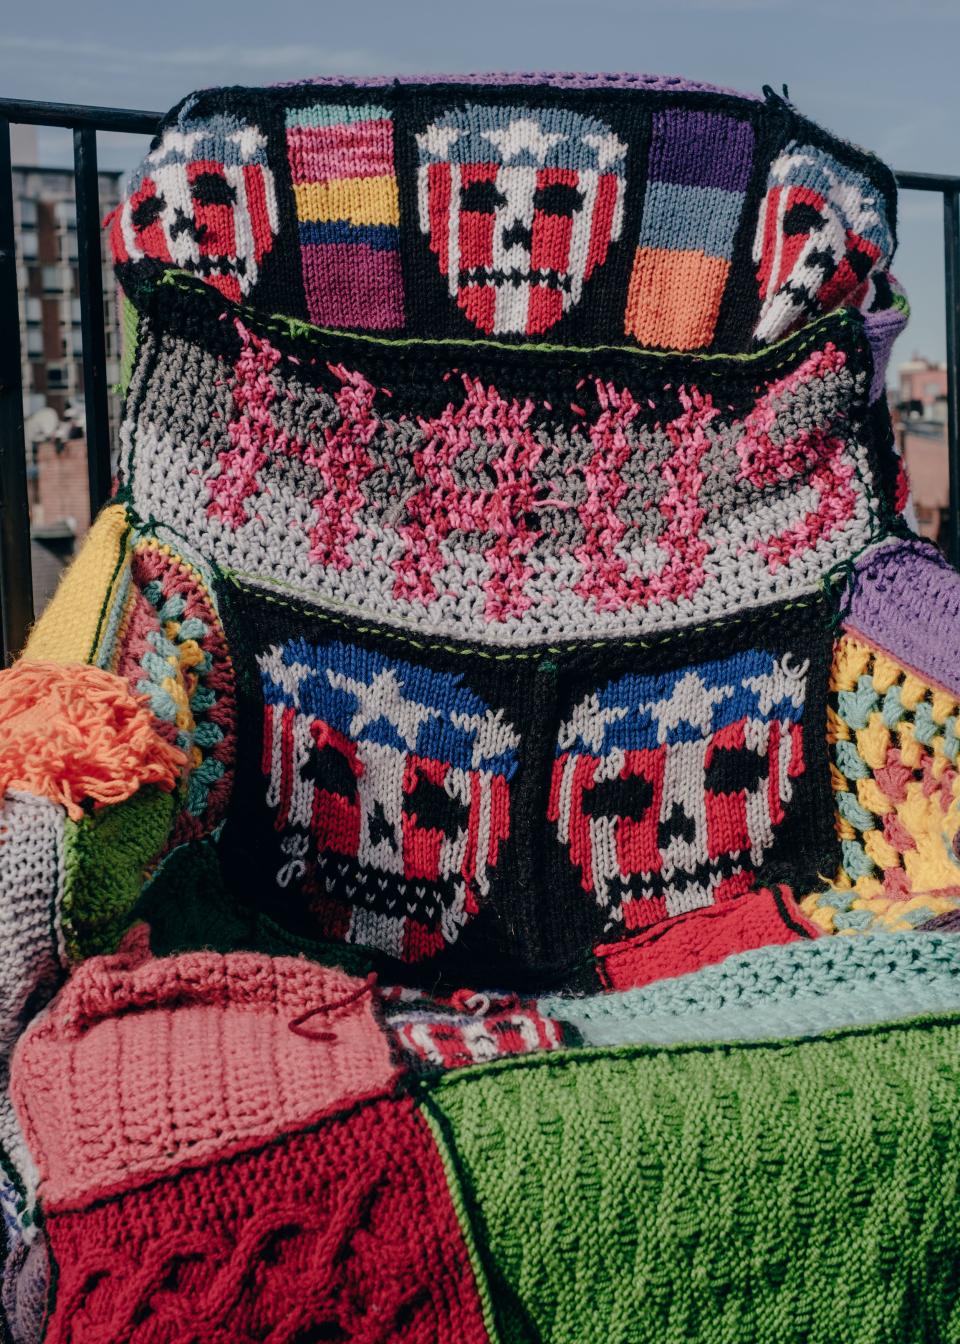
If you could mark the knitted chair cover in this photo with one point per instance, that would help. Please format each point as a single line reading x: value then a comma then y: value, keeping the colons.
x: 479, y: 855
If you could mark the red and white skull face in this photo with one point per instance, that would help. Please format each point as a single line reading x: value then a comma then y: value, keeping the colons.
x: 822, y: 230
x: 667, y: 790
x: 389, y: 786
x: 203, y: 200
x: 520, y: 206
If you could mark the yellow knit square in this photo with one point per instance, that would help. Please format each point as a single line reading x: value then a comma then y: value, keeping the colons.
x: 69, y: 629
x: 360, y: 200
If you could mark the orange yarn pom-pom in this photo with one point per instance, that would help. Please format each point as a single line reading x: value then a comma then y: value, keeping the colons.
x: 76, y: 732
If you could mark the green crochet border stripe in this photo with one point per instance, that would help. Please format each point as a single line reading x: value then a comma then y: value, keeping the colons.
x: 841, y: 319
x: 771, y: 1193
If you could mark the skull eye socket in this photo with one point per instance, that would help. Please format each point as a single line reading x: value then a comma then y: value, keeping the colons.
x: 859, y: 262
x: 483, y: 198
x: 801, y: 218
x: 558, y: 199
x: 147, y: 212
x: 630, y: 797
x: 432, y: 809
x: 330, y: 771
x: 735, y: 770
x: 212, y: 189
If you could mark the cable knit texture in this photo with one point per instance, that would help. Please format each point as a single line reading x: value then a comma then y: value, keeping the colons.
x: 343, y: 1234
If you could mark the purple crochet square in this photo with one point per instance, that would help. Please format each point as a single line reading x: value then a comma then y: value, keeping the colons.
x: 905, y: 599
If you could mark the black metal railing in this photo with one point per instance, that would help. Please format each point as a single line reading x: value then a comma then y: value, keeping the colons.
x: 16, y: 596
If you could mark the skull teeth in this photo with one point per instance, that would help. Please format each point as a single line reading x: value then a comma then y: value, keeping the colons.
x: 386, y: 893
x: 488, y: 275
x: 677, y: 885
x: 235, y: 266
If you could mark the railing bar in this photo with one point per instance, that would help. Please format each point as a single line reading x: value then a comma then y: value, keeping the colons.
x: 70, y: 115
x: 951, y: 276
x: 927, y: 182
x: 93, y: 327
x: 16, y: 577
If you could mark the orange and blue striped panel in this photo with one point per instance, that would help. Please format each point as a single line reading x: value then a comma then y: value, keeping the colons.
x: 698, y: 170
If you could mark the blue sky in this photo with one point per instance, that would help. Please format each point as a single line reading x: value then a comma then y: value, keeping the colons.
x: 884, y: 73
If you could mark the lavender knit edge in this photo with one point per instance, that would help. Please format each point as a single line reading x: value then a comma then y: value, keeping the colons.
x: 905, y: 599
x: 554, y: 78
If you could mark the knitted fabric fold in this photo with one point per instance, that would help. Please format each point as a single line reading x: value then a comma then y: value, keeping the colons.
x: 220, y: 1159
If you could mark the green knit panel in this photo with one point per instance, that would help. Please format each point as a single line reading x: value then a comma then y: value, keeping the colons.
x: 783, y: 1193
x: 104, y: 859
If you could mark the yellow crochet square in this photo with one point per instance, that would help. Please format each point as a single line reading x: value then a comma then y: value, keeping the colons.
x: 895, y: 746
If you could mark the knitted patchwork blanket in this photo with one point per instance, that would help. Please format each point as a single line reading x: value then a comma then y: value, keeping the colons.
x: 479, y: 830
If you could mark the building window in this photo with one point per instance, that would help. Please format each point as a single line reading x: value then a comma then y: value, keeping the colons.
x: 75, y: 315
x: 34, y: 342
x: 54, y: 278
x: 56, y: 376
x: 28, y: 244
x: 33, y: 310
x: 28, y: 214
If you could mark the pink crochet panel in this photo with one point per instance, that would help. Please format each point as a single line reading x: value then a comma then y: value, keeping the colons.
x: 142, y: 1067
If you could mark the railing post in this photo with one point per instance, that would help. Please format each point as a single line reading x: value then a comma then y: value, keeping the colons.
x: 90, y: 267
x: 16, y: 578
x: 951, y: 268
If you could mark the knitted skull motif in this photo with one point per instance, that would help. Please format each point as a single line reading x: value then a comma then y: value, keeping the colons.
x: 520, y: 206
x: 203, y: 200
x: 667, y: 789
x: 821, y: 231
x: 389, y: 786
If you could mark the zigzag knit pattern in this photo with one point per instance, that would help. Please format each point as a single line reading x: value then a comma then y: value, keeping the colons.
x: 709, y: 1193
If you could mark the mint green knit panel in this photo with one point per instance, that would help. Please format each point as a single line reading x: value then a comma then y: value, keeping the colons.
x: 793, y: 1193
x: 805, y: 988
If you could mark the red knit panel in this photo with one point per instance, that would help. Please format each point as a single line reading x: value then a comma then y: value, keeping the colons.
x: 703, y: 937
x: 344, y: 1234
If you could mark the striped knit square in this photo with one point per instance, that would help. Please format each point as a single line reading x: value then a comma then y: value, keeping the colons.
x: 698, y: 170
x: 345, y: 188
